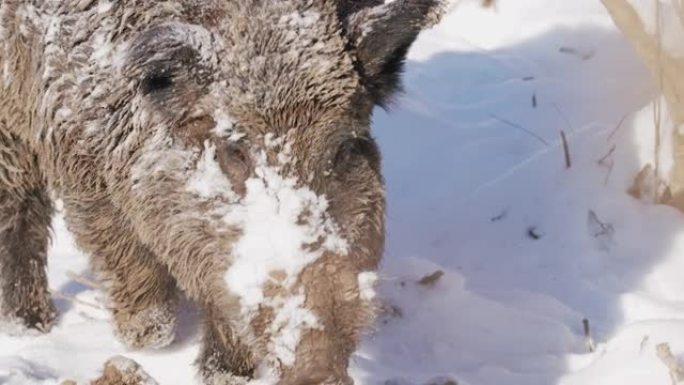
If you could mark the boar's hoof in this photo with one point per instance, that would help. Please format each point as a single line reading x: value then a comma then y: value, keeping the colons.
x: 149, y: 328
x: 123, y: 371
x: 317, y: 380
x: 40, y: 315
x: 220, y: 378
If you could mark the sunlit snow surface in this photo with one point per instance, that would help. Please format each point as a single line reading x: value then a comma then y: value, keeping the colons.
x: 478, y: 188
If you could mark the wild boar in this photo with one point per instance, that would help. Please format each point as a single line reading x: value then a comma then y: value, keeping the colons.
x: 219, y: 147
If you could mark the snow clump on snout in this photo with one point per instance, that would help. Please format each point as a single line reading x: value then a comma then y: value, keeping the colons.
x: 285, y: 227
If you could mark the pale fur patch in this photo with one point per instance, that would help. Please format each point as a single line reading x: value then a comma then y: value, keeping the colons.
x: 161, y: 155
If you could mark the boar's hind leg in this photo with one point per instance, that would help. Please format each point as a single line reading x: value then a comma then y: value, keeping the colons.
x: 141, y: 290
x: 25, y: 212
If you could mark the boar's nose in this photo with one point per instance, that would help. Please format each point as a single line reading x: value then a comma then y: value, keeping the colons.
x: 236, y: 163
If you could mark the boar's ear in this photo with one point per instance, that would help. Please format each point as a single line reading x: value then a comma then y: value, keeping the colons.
x: 381, y: 37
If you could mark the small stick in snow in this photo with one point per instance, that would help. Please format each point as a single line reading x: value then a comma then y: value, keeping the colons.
x: 575, y: 52
x: 499, y: 217
x: 566, y: 149
x: 603, y: 160
x: 534, y: 100
x: 644, y: 342
x: 665, y: 354
x: 607, y: 161
x: 431, y: 279
x: 618, y: 126
x: 532, y: 233
x: 588, y: 340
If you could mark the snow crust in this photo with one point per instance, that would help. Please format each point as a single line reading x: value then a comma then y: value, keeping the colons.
x: 285, y: 228
x: 367, y: 281
x: 104, y: 6
x: 224, y: 125
x: 278, y: 220
x: 207, y: 180
x: 291, y: 319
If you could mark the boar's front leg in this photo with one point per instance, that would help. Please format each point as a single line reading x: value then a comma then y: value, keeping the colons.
x: 141, y: 290
x: 223, y: 359
x: 25, y: 212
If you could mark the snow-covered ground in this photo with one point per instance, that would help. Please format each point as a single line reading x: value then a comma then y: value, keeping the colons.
x: 478, y: 188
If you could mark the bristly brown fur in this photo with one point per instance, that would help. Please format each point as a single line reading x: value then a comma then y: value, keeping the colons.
x: 111, y: 106
x: 25, y: 211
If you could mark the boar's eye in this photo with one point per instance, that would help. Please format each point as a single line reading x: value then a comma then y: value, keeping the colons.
x: 156, y: 82
x: 354, y: 152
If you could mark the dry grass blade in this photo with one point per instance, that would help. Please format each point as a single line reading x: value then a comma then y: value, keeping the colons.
x: 566, y: 149
x: 588, y: 340
x: 73, y: 299
x: 676, y: 370
x: 618, y: 126
x: 519, y: 127
x: 666, y: 68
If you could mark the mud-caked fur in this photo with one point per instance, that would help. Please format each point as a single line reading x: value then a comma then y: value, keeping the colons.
x: 110, y: 105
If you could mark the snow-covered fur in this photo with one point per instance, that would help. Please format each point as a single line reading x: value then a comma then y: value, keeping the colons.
x: 221, y: 147
x: 120, y: 370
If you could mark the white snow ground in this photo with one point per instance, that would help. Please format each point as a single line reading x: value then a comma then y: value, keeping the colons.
x: 467, y: 191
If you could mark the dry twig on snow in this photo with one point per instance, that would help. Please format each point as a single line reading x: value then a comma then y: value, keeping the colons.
x: 431, y: 279
x: 83, y: 280
x: 588, y: 339
x: 667, y: 69
x: 71, y: 298
x: 566, y: 149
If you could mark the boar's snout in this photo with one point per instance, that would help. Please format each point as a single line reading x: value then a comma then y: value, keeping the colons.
x: 236, y: 163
